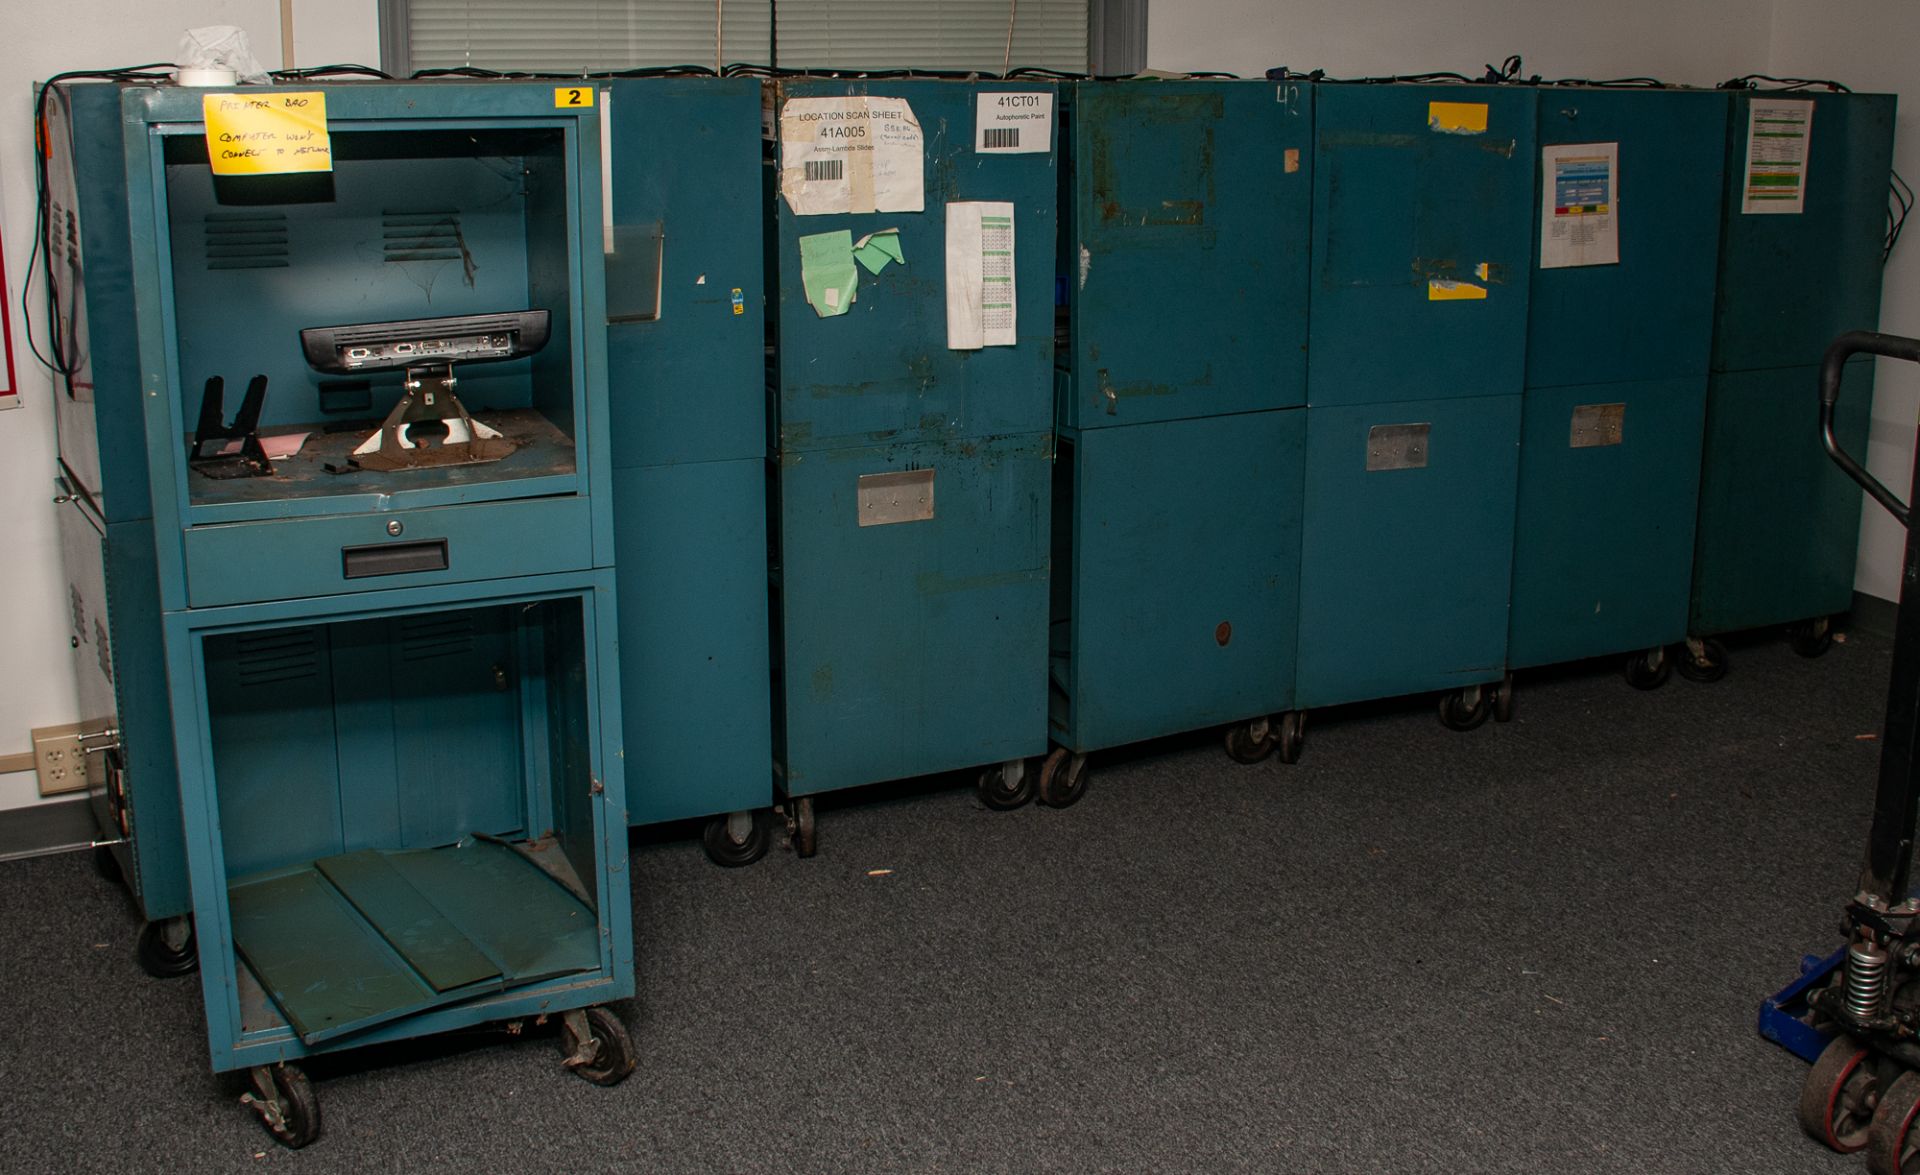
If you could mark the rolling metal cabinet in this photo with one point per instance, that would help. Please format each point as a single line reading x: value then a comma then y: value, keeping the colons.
x: 687, y: 387
x: 1182, y: 429
x: 1615, y: 402
x: 386, y: 673
x: 1416, y: 363
x: 910, y: 503
x: 1778, y: 523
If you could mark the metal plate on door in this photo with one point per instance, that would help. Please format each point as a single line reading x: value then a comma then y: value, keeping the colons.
x: 1397, y: 446
x: 886, y: 498
x: 1595, y: 425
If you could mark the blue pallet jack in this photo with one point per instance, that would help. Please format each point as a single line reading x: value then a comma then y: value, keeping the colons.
x: 1856, y: 1013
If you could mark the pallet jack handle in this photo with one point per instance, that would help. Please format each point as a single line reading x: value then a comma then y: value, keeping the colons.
x: 1896, y: 803
x: 1832, y: 366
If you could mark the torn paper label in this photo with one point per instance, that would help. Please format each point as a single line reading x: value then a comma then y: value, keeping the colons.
x: 1442, y: 289
x: 1457, y: 118
x: 1013, y: 124
x: 827, y: 272
x: 1579, y: 205
x: 852, y: 154
x: 980, y: 296
x: 1779, y: 131
x: 877, y: 249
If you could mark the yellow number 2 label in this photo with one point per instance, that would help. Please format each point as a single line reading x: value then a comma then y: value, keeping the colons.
x: 573, y: 96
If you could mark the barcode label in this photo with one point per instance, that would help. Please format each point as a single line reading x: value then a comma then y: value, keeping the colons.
x: 825, y: 169
x: 1007, y: 123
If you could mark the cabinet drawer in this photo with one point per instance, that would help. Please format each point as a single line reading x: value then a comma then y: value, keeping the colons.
x: 289, y: 558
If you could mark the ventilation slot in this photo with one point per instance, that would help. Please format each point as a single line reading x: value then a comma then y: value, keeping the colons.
x: 253, y: 241
x: 66, y: 232
x: 79, y: 611
x: 279, y: 656
x: 421, y: 236
x: 104, y: 652
x: 436, y: 636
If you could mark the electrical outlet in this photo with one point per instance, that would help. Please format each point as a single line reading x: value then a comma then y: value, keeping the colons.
x: 58, y: 758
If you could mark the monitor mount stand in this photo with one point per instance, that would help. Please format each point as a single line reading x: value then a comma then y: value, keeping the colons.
x: 430, y: 428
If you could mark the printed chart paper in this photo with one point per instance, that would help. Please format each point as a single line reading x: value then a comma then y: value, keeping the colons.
x: 1013, y: 124
x: 854, y: 154
x: 1779, y: 131
x: 1580, y: 205
x: 980, y: 299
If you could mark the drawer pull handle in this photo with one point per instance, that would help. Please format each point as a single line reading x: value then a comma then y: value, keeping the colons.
x: 393, y: 558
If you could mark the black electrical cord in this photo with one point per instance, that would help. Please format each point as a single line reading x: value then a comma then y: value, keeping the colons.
x: 328, y: 71
x: 1750, y: 81
x: 1900, y: 203
x: 40, y: 255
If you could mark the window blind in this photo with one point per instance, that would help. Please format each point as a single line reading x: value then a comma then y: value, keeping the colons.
x: 569, y: 36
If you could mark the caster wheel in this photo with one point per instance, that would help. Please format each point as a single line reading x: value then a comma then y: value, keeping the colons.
x: 1250, y: 743
x: 1648, y: 670
x: 1893, y: 1145
x: 1465, y: 709
x: 800, y: 826
x: 1005, y: 786
x: 738, y: 838
x: 1707, y: 664
x: 288, y: 1108
x: 166, y: 949
x: 1503, y: 700
x: 1063, y: 779
x: 597, y: 1045
x: 1292, y: 736
x: 1812, y: 638
x: 1838, y: 1096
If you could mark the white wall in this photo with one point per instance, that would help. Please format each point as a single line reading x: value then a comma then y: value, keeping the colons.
x: 1698, y: 41
x: 1869, y: 46
x: 36, y: 677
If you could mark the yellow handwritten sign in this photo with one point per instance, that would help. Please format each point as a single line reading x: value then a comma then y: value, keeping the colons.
x: 572, y: 96
x: 267, y: 132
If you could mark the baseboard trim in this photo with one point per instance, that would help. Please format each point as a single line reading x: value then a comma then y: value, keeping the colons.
x: 1873, y: 614
x: 57, y: 826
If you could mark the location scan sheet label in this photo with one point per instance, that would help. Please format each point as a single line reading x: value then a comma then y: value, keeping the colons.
x: 854, y: 154
x: 1013, y: 124
x: 267, y: 132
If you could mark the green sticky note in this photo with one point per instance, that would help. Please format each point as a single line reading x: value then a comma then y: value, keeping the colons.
x: 827, y: 272
x: 875, y: 250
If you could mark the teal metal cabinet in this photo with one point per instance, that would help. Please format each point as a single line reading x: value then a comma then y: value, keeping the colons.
x: 1617, y: 358
x: 1779, y: 524
x: 391, y: 710
x: 688, y: 413
x: 1416, y: 363
x: 911, y: 477
x: 1181, y: 396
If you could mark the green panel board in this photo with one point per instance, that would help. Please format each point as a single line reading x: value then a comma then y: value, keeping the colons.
x: 523, y: 920
x: 1404, y: 572
x: 1182, y: 579
x: 409, y: 922
x: 1603, y: 548
x: 326, y: 969
x: 1779, y: 523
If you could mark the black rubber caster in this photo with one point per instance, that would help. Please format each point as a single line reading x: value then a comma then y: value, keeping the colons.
x: 284, y: 1098
x: 1465, y: 709
x: 1812, y: 638
x: 1063, y: 779
x: 1838, y: 1096
x: 1292, y: 735
x: 737, y: 838
x: 597, y: 1046
x: 166, y: 949
x: 1005, y: 786
x: 1250, y: 742
x: 1648, y: 670
x: 800, y: 826
x: 1893, y: 1145
x: 1503, y: 699
x: 1709, y: 664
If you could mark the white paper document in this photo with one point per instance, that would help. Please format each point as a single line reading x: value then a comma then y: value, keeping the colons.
x: 980, y: 301
x: 854, y: 154
x: 1579, y: 205
x: 1013, y: 124
x: 1779, y: 131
